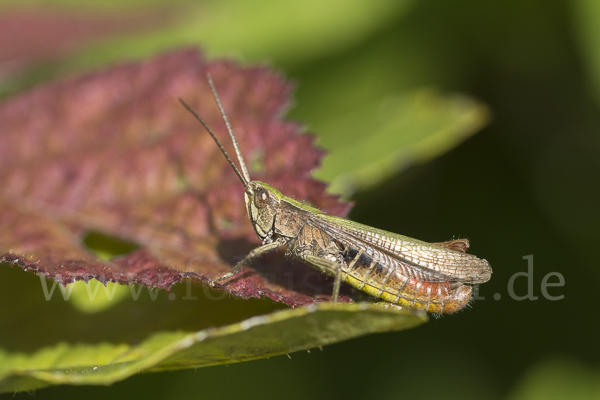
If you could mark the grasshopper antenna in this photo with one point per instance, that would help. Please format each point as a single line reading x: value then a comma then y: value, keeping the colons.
x: 233, y: 139
x: 199, y: 118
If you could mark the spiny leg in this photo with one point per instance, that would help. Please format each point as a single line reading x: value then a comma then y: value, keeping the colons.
x: 254, y: 253
x: 329, y: 267
x: 337, y: 283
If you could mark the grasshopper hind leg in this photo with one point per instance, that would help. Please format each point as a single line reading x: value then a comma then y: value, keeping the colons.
x: 328, y: 267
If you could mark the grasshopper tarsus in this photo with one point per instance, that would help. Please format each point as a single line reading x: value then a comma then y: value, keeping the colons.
x: 434, y: 277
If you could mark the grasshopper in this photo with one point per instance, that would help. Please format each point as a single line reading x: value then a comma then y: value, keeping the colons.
x: 434, y: 277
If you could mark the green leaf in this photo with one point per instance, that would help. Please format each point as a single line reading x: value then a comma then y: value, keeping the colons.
x: 381, y: 138
x: 558, y: 378
x: 249, y: 30
x: 258, y: 337
x: 587, y: 25
x: 94, y: 296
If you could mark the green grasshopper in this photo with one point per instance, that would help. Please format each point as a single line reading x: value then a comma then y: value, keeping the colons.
x: 392, y: 267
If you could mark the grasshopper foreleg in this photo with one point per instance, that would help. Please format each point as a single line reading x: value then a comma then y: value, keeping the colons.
x: 254, y: 253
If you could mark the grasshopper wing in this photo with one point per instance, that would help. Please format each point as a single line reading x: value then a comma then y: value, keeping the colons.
x: 429, y: 262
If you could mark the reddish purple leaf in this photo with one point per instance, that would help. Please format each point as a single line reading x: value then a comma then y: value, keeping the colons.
x: 116, y: 153
x: 29, y: 35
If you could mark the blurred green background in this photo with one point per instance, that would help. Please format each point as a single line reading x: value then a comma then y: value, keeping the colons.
x: 526, y: 184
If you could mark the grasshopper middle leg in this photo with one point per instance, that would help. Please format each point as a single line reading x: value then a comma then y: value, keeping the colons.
x: 254, y: 253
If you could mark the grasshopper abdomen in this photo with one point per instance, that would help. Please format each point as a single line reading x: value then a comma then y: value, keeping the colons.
x: 392, y: 285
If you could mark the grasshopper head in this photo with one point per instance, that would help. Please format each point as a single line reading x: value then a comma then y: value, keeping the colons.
x: 262, y: 204
x: 262, y: 200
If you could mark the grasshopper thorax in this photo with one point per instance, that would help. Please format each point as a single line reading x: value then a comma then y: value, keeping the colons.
x: 262, y: 204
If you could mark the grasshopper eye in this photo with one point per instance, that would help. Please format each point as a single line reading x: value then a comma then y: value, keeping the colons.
x: 261, y: 197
